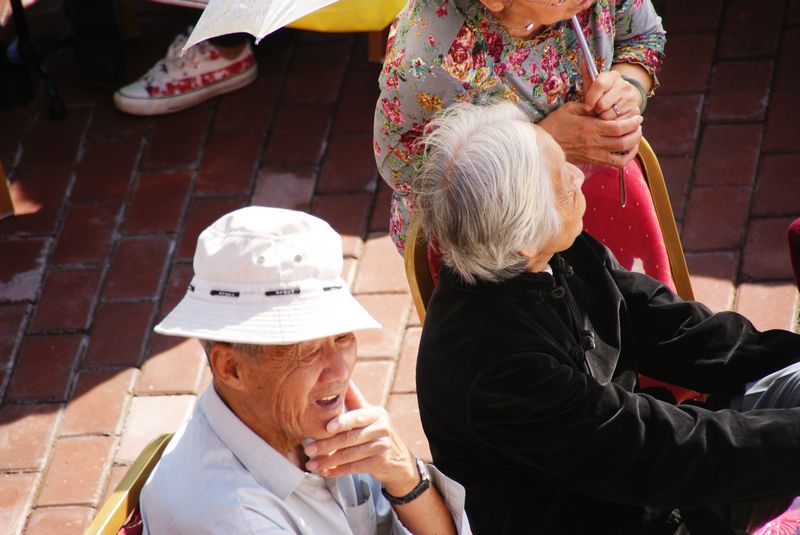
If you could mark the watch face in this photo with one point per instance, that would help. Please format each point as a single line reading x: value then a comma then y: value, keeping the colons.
x: 423, y: 470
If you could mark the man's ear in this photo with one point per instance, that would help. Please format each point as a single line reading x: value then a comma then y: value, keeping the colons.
x: 227, y: 365
x: 495, y: 6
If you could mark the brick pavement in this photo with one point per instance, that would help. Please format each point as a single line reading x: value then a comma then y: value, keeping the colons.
x: 110, y: 207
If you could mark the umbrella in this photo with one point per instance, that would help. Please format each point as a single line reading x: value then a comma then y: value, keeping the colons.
x: 256, y: 17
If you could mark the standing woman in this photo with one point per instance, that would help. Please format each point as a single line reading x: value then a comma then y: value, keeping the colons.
x: 445, y: 51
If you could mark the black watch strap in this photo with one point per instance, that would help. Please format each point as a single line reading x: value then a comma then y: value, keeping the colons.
x: 424, y: 484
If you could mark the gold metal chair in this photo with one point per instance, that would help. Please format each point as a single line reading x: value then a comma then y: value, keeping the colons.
x: 119, y: 505
x: 416, y: 254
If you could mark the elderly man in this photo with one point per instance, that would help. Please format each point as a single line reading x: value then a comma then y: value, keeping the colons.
x: 533, y: 339
x: 281, y: 442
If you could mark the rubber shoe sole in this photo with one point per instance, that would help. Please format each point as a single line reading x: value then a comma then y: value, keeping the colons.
x: 172, y: 104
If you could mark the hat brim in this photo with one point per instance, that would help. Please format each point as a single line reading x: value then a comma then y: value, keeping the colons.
x: 279, y: 320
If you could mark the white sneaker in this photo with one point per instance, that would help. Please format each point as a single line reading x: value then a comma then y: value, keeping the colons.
x: 178, y: 82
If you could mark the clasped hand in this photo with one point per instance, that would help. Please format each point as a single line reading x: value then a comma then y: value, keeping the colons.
x: 591, y: 132
x: 365, y: 442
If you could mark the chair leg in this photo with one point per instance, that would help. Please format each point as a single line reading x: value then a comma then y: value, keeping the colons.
x: 57, y: 110
x: 128, y: 17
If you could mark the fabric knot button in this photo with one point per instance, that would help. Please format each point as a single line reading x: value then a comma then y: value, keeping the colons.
x: 557, y: 292
x: 260, y: 260
x: 298, y: 258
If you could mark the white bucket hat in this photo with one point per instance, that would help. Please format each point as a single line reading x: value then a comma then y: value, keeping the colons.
x: 267, y: 276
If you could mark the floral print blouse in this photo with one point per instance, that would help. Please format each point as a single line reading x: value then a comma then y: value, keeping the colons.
x: 445, y: 51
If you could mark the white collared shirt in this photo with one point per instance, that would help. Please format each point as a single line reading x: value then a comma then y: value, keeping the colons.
x: 217, y: 476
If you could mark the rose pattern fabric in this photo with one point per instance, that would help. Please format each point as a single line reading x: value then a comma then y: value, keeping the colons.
x: 445, y: 51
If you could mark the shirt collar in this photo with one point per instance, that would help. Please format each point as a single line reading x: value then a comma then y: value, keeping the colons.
x: 272, y: 470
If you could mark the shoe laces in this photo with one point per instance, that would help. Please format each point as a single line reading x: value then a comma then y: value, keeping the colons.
x: 176, y: 59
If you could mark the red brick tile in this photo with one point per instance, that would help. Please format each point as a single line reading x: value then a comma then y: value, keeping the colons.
x: 782, y: 133
x: 174, y: 366
x: 404, y: 412
x: 202, y: 213
x: 108, y: 121
x: 44, y: 368
x: 149, y: 417
x: 672, y: 123
x: 356, y: 107
x: 158, y: 202
x: 176, y: 139
x: 413, y: 317
x: 713, y: 276
x: 676, y: 175
x: 793, y: 16
x: 381, y: 269
x: 16, y: 493
x: 22, y: 268
x: 316, y: 73
x: 115, y: 475
x: 66, y: 300
x: 98, y: 402
x: 55, y: 143
x: 728, y: 155
x: 688, y: 63
x: 751, y: 29
x: 405, y: 381
x: 768, y: 305
x: 249, y: 109
x: 106, y: 169
x: 739, y: 91
x: 285, y: 188
x: 778, y: 189
x: 15, y: 121
x: 298, y: 137
x: 86, y: 235
x: 787, y: 76
x: 117, y: 334
x: 228, y: 163
x: 77, y: 471
x: 128, y: 276
x: 349, y: 165
x: 391, y: 311
x: 716, y: 219
x: 347, y: 214
x: 766, y: 254
x: 179, y: 278
x: 28, y: 431
x: 379, y: 219
x: 38, y: 196
x: 68, y: 520
x: 704, y: 16
x: 12, y: 325
x: 374, y: 379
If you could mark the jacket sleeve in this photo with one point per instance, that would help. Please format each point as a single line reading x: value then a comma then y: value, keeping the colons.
x: 684, y: 343
x: 640, y: 37
x: 538, y: 414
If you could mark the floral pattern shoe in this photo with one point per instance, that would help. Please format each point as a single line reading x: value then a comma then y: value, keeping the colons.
x: 177, y: 81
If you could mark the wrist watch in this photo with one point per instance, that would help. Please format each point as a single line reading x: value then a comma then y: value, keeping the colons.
x: 423, y: 485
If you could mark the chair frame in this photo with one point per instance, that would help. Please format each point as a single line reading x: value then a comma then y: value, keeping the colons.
x: 416, y: 254
x: 119, y: 505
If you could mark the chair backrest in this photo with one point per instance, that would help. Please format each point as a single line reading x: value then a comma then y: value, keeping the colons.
x: 416, y: 252
x: 116, y: 509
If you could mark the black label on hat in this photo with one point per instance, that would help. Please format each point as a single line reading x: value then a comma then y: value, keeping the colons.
x: 224, y: 293
x: 329, y: 288
x: 287, y: 291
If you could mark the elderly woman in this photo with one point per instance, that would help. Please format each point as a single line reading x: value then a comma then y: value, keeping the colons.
x: 525, y: 51
x: 533, y: 339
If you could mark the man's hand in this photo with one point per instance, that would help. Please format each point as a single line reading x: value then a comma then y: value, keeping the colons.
x: 365, y: 442
x: 586, y: 138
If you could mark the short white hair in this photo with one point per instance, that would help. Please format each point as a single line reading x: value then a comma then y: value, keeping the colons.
x: 484, y: 190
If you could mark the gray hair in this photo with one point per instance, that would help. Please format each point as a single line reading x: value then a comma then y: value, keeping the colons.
x: 251, y: 350
x: 484, y: 190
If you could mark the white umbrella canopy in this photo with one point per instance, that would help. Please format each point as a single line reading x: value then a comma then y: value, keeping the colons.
x: 259, y: 18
